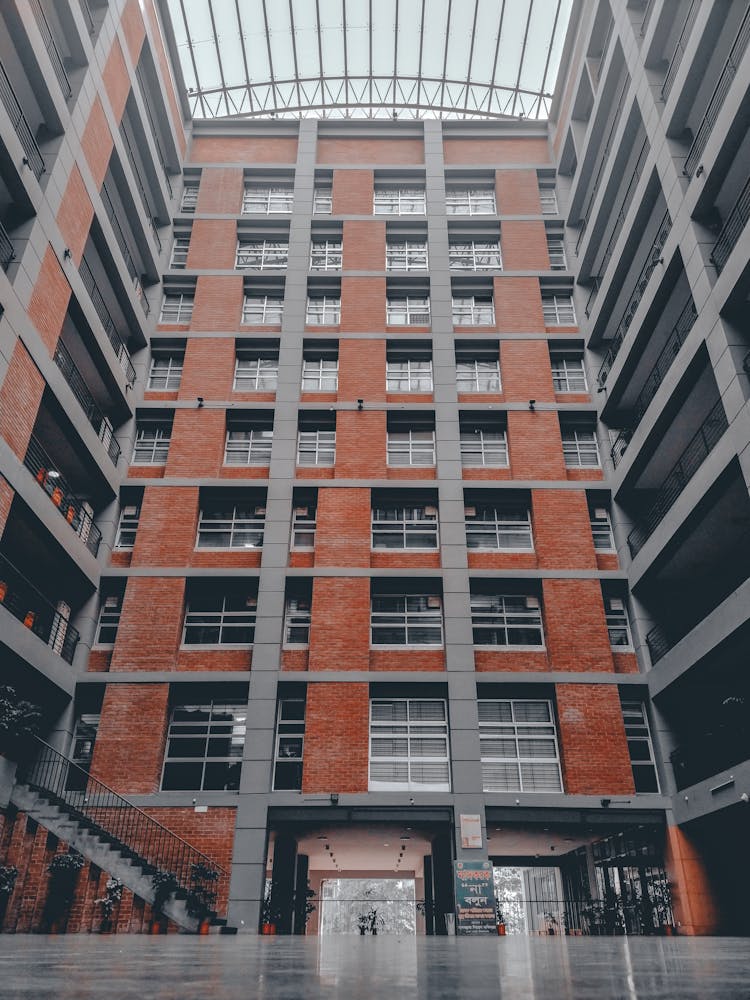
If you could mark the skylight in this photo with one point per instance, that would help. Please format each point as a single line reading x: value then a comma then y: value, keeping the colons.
x: 370, y: 58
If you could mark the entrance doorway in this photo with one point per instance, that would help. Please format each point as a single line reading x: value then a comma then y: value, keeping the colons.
x: 368, y: 906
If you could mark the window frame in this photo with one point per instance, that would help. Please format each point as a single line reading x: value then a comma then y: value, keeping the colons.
x: 530, y: 619
x: 559, y: 310
x: 563, y: 375
x: 270, y: 193
x: 404, y: 249
x: 303, y: 524
x: 319, y: 316
x: 323, y: 199
x: 330, y: 250
x: 598, y: 523
x: 522, y: 732
x: 416, y: 369
x: 473, y: 198
x: 233, y: 525
x: 480, y: 310
x: 259, y: 445
x: 576, y: 446
x: 618, y: 624
x: 476, y: 362
x: 323, y: 450
x: 466, y: 255
x: 414, y: 309
x: 303, y: 616
x: 270, y: 304
x: 321, y: 375
x: 179, y: 303
x: 502, y: 524
x: 110, y: 612
x: 295, y: 730
x: 256, y: 358
x: 383, y: 200
x: 175, y: 364
x: 548, y: 199
x: 409, y: 619
x: 640, y: 732
x: 405, y: 526
x: 215, y: 731
x: 558, y: 260
x: 189, y: 197
x: 179, y: 253
x: 410, y: 728
x: 225, y: 620
x: 127, y: 523
x: 486, y: 450
x: 261, y: 255
x: 412, y: 448
x: 159, y: 442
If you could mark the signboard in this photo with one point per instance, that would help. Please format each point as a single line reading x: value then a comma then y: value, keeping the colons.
x: 471, y: 830
x: 475, y: 898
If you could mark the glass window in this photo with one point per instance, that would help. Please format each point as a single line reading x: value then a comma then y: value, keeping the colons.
x: 248, y: 446
x: 204, y: 748
x: 481, y: 447
x: 262, y: 310
x: 151, y: 444
x: 323, y: 310
x: 226, y: 527
x: 165, y: 372
x: 290, y: 743
x: 180, y: 247
x: 262, y: 255
x: 580, y: 448
x: 470, y: 201
x: 473, y: 375
x: 558, y: 310
x: 640, y: 746
x: 498, y: 528
x: 322, y: 200
x: 409, y: 375
x: 320, y: 374
x: 548, y: 199
x: 317, y: 447
x: 406, y: 255
x: 189, y: 197
x: 220, y: 620
x: 473, y: 310
x: 255, y: 373
x: 398, y: 527
x: 303, y: 527
x: 109, y: 620
x: 475, y: 255
x: 568, y: 374
x: 409, y: 745
x: 127, y: 526
x: 556, y: 253
x: 618, y: 625
x: 176, y: 307
x: 326, y: 255
x: 518, y: 746
x: 399, y: 201
x: 601, y: 529
x: 410, y: 310
x: 411, y: 447
x: 506, y: 620
x: 297, y: 621
x: 264, y: 199
x: 406, y: 620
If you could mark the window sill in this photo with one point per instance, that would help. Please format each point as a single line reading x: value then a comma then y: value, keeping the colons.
x: 215, y: 646
x: 406, y: 647
x: 512, y: 649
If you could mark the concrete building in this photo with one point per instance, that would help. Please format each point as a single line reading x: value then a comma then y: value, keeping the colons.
x: 364, y: 478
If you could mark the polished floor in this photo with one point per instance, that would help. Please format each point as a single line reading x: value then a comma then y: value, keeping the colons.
x: 348, y: 968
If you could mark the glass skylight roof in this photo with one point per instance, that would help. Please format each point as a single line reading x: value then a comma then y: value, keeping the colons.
x: 370, y: 58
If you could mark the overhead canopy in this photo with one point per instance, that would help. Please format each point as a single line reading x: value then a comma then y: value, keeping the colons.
x: 370, y: 58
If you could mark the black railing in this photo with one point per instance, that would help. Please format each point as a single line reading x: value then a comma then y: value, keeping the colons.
x: 82, y: 393
x: 732, y: 229
x: 76, y: 511
x: 605, y: 46
x: 652, y: 259
x: 7, y: 253
x: 647, y: 16
x: 52, y: 50
x: 663, y: 363
x: 88, y: 15
x: 658, y: 642
x: 717, y: 98
x: 710, y: 753
x: 679, y: 52
x: 700, y: 447
x: 33, y: 157
x: 104, y: 813
x: 105, y: 316
x: 620, y: 444
x: 139, y: 181
x: 122, y: 243
x: 145, y: 91
x: 22, y: 599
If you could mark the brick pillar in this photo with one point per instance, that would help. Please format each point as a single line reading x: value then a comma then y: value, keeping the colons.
x: 336, y: 738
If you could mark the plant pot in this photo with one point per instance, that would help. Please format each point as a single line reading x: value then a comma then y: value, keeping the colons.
x: 268, y: 929
x: 501, y: 930
x: 204, y: 926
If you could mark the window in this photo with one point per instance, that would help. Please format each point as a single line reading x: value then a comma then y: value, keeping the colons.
x: 558, y: 310
x: 474, y: 375
x: 316, y: 447
x: 406, y: 255
x: 322, y: 200
x: 470, y: 201
x: 518, y: 746
x: 320, y: 374
x: 326, y: 255
x: 127, y: 526
x: 639, y: 744
x: 506, y: 620
x: 410, y: 310
x: 411, y: 447
x: 255, y: 372
x: 165, y: 372
x: 262, y: 255
x: 548, y: 199
x: 409, y: 745
x: 189, y: 197
x: 262, y: 310
x: 297, y: 621
x: 399, y: 201
x: 82, y: 752
x: 221, y: 526
x: 290, y: 741
x: 323, y: 310
x: 109, y: 620
x: 406, y: 620
x: 475, y: 255
x: 473, y: 310
x: 408, y: 374
x: 152, y: 443
x: 248, y: 446
x: 177, y: 307
x: 262, y: 199
x: 481, y: 447
x: 303, y: 527
x: 180, y: 248
x: 601, y: 529
x: 498, y: 528
x: 556, y: 253
x: 580, y: 448
x: 618, y: 625
x: 398, y: 527
x: 204, y: 748
x: 568, y: 374
x: 215, y: 619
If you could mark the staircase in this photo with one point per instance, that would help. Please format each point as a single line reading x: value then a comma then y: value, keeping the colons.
x: 118, y: 837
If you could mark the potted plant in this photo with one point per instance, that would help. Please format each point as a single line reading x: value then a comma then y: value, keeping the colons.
x: 19, y: 721
x: 368, y: 923
x: 8, y: 876
x: 201, y: 898
x: 499, y: 919
x: 108, y: 902
x: 164, y: 885
x: 63, y: 870
x: 268, y: 916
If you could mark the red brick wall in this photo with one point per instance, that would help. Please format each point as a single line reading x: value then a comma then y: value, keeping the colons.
x: 518, y: 305
x: 213, y: 243
x: 526, y: 372
x: 129, y: 747
x: 562, y: 531
x: 362, y: 370
x: 522, y: 150
x: 20, y: 396
x: 575, y: 626
x: 517, y: 192
x: 218, y: 302
x: 220, y: 190
x: 362, y: 304
x: 197, y: 445
x: 364, y: 246
x: 150, y: 627
x: 167, y: 527
x: 116, y: 80
x: 133, y: 28
x: 339, y: 601
x: 535, y: 445
x: 353, y: 192
x: 243, y: 149
x: 208, y: 368
x: 592, y: 740
x: 695, y: 907
x: 336, y: 738
x: 75, y: 215
x: 524, y: 246
x: 6, y: 499
x: 49, y: 300
x: 351, y: 151
x: 97, y: 143
x: 360, y: 444
x: 343, y: 527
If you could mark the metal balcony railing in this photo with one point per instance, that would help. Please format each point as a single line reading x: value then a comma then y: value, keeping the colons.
x: 33, y: 157
x: 710, y: 753
x: 679, y: 52
x: 7, y: 253
x: 732, y: 229
x: 116, y: 821
x: 88, y: 16
x: 658, y: 642
x: 663, y: 363
x: 605, y: 46
x: 700, y: 447
x: 717, y: 98
x: 154, y: 130
x: 620, y: 444
x: 77, y: 512
x: 653, y: 258
x: 81, y: 391
x: 22, y: 599
x: 122, y: 243
x: 139, y: 181
x: 52, y: 50
x: 107, y: 322
x: 647, y: 16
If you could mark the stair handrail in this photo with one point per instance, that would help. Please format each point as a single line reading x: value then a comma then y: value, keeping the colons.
x: 47, y: 770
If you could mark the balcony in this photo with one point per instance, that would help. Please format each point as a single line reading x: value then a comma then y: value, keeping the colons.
x: 33, y: 157
x: 710, y: 753
x: 100, y: 423
x: 107, y: 322
x: 679, y: 52
x: 7, y: 253
x: 32, y: 609
x: 663, y: 363
x: 700, y: 447
x: 122, y: 243
x: 75, y: 510
x: 732, y: 229
x: 145, y: 91
x: 128, y: 143
x: 52, y: 50
x: 717, y: 98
